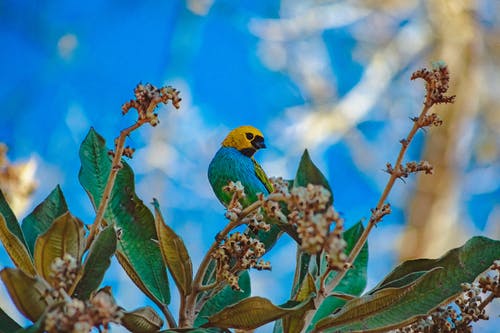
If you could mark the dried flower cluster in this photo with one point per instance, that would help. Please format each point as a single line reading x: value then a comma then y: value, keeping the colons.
x: 429, y: 120
x: 307, y: 209
x: 64, y: 272
x: 410, y: 167
x: 78, y: 316
x: 147, y: 98
x: 378, y: 214
x: 71, y: 314
x: 490, y: 282
x: 237, y: 253
x: 468, y: 307
x: 234, y: 207
x: 436, y: 83
x: 128, y: 151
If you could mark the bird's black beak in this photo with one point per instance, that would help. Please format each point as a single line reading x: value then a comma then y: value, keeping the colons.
x: 258, y: 142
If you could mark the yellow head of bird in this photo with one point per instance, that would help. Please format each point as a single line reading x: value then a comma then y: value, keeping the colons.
x: 247, y: 139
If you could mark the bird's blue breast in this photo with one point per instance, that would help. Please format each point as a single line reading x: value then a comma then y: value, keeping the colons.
x: 229, y: 164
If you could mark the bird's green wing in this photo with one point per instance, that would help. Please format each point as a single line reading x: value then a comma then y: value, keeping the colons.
x: 262, y: 176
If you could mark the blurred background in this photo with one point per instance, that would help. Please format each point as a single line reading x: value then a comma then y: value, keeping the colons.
x: 330, y: 76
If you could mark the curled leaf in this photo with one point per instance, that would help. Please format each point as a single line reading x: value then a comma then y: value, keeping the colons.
x: 134, y: 276
x: 142, y: 320
x: 174, y: 253
x: 65, y: 236
x: 294, y: 322
x: 41, y: 218
x: 253, y: 312
x: 15, y: 249
x: 29, y: 294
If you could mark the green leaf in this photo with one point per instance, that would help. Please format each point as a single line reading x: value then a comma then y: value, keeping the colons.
x: 303, y: 261
x: 10, y: 219
x: 403, y: 281
x: 28, y: 294
x: 354, y: 282
x: 7, y: 324
x: 360, y: 308
x: 254, y: 312
x: 96, y: 263
x: 65, y: 236
x: 294, y: 323
x: 40, y: 220
x: 37, y: 327
x: 138, y: 252
x: 142, y: 320
x: 16, y: 249
x: 174, y: 253
x: 438, y: 286
x: 308, y: 173
x: 227, y: 296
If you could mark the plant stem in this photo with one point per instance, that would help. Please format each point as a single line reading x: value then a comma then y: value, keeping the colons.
x: 115, y: 167
x: 187, y: 309
x: 168, y: 316
x: 373, y: 221
x: 487, y: 300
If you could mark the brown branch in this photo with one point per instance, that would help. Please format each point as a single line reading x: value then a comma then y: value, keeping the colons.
x: 435, y: 90
x: 374, y: 219
x: 168, y: 316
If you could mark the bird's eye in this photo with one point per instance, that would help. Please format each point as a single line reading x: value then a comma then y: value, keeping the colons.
x: 249, y: 136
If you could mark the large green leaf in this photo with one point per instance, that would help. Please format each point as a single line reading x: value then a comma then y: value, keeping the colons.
x: 254, y: 312
x: 139, y: 253
x: 10, y: 219
x: 227, y: 296
x: 96, y: 263
x: 354, y: 282
x: 308, y: 173
x: 42, y: 217
x: 7, y: 324
x: 439, y: 285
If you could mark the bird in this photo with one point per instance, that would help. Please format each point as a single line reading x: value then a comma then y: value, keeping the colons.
x: 235, y: 161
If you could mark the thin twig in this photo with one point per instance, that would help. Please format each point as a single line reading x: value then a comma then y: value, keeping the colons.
x: 328, y: 289
x: 486, y: 301
x: 168, y: 316
x: 115, y: 167
x: 188, y: 311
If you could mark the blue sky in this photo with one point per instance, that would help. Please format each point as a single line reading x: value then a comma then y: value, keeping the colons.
x: 67, y: 66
